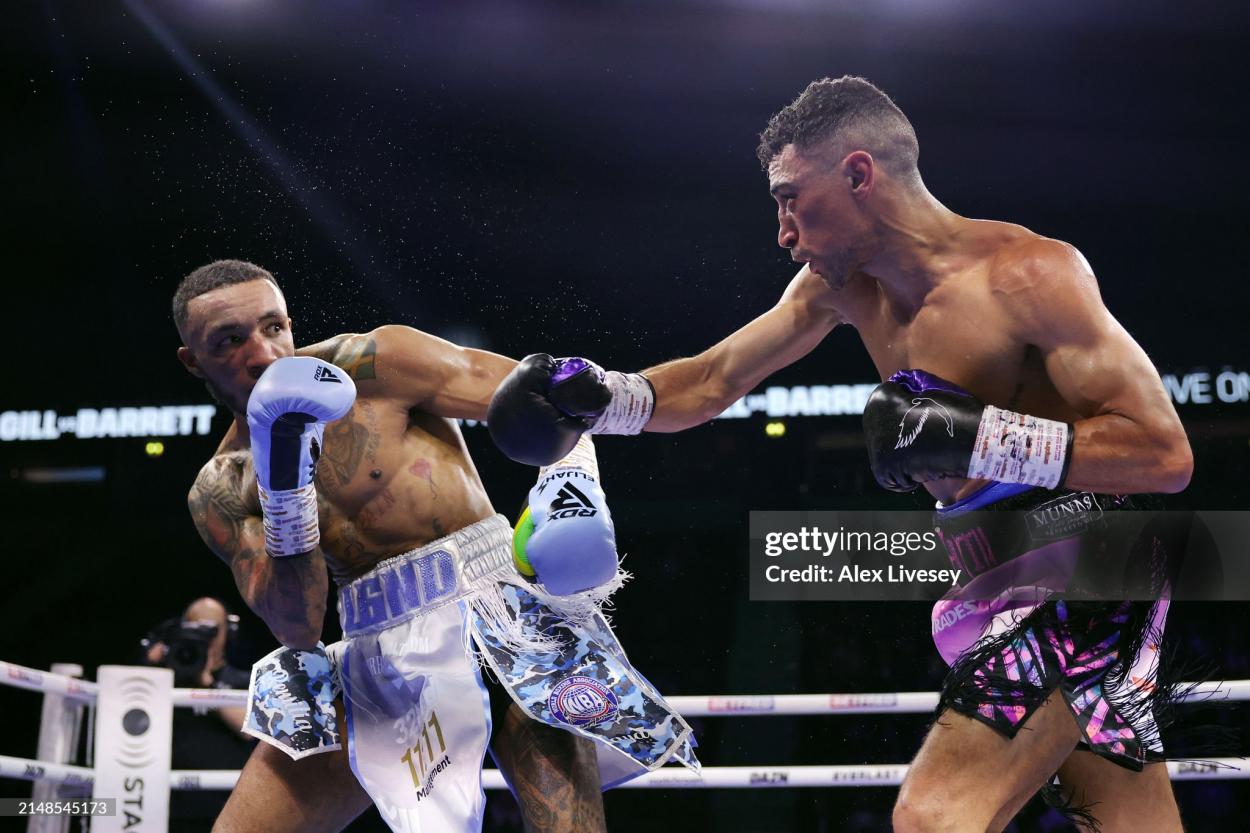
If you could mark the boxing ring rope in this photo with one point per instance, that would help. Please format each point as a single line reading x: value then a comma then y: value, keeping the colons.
x: 714, y: 705
x: 714, y: 777
x: 81, y: 778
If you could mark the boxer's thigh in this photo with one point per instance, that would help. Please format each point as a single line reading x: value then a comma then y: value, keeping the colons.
x: 1121, y: 800
x: 968, y: 776
x: 554, y: 774
x: 318, y: 794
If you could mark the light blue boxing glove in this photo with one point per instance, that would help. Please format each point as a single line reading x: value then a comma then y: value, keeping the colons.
x: 287, y: 414
x: 565, y: 538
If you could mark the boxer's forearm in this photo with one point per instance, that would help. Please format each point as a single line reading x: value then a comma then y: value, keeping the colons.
x: 689, y: 392
x: 1115, y: 454
x: 289, y: 594
x: 694, y: 390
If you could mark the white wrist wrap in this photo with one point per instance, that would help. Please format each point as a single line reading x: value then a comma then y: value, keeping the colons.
x: 1018, y: 448
x: 291, y: 524
x: 633, y: 400
x: 581, y: 457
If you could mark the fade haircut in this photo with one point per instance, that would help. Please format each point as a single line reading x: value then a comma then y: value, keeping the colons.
x: 215, y: 275
x: 850, y: 113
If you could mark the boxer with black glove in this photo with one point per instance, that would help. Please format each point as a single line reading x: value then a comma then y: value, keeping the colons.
x: 1060, y: 394
x: 544, y: 405
x: 921, y: 428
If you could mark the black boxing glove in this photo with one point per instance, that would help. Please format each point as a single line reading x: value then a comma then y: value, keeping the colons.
x: 527, y: 425
x: 543, y: 406
x: 921, y: 427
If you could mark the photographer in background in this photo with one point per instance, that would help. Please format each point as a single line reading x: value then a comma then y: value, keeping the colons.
x: 194, y: 646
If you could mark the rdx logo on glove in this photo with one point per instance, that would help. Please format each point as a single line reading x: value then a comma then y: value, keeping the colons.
x: 571, y: 503
x: 577, y: 554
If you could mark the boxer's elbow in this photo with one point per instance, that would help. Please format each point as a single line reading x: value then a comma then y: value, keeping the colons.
x: 295, y: 627
x: 1167, y: 455
x: 715, y: 397
x: 1176, y: 465
x: 300, y: 637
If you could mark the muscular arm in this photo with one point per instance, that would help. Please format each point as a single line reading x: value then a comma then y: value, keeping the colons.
x: 1131, y: 439
x: 418, y: 369
x: 289, y: 594
x: 694, y: 390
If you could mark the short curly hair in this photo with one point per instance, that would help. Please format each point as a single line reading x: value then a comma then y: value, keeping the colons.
x: 855, y: 114
x: 215, y: 275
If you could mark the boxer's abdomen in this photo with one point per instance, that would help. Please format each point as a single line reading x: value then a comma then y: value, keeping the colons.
x: 390, y: 481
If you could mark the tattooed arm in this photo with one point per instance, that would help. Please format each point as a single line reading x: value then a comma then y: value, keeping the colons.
x: 418, y: 369
x: 288, y: 593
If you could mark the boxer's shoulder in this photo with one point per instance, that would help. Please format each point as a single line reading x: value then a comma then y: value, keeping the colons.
x: 226, y: 470
x: 363, y: 355
x: 222, y: 497
x: 354, y: 352
x: 815, y: 296
x: 1038, y: 283
x: 1030, y: 263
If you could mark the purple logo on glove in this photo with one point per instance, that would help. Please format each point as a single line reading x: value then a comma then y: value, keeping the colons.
x: 568, y: 368
x: 919, y: 381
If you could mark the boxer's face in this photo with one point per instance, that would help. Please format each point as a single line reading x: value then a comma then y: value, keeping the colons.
x: 233, y: 334
x: 819, y: 212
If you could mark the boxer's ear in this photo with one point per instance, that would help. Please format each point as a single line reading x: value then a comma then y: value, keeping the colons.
x: 189, y: 362
x: 860, y: 171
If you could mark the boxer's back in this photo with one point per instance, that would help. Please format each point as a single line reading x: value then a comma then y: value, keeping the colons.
x: 391, y: 478
x: 960, y: 330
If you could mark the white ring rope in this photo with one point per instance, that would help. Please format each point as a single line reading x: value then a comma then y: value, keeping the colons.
x: 714, y: 705
x: 72, y: 688
x: 714, y: 777
x: 79, y: 778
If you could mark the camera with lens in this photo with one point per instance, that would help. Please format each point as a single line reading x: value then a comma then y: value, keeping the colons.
x: 186, y: 648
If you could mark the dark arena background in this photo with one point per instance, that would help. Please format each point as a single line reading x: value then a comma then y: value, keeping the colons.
x: 580, y: 179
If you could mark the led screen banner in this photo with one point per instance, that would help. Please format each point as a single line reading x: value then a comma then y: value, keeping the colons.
x: 36, y: 425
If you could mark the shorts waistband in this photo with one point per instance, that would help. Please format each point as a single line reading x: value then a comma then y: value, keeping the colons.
x: 427, y: 578
x: 987, y: 495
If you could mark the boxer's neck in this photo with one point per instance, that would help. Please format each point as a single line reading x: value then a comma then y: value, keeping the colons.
x: 237, y: 435
x: 914, y: 239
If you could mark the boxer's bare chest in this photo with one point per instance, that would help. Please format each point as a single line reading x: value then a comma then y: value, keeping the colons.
x: 958, y: 331
x: 389, y: 480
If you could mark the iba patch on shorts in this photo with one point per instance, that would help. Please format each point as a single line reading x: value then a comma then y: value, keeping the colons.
x: 582, y: 701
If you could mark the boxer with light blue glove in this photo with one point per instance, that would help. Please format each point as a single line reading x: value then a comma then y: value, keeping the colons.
x: 565, y: 539
x: 287, y: 414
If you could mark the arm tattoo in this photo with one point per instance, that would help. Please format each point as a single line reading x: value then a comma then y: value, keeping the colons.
x: 359, y: 359
x: 343, y: 448
x: 289, y: 593
x: 217, y: 506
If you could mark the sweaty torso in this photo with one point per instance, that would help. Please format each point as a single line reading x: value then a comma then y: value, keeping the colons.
x: 390, y: 479
x: 959, y: 331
